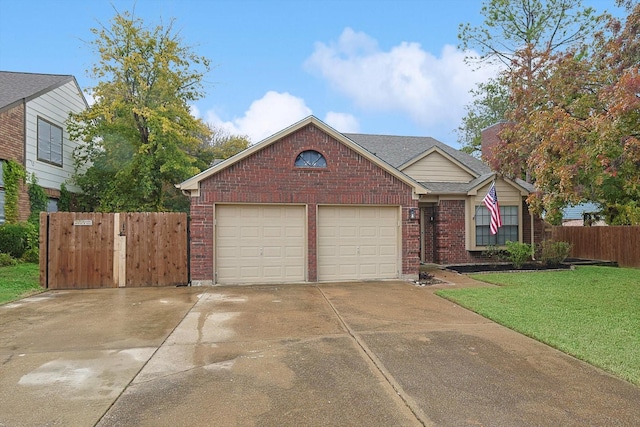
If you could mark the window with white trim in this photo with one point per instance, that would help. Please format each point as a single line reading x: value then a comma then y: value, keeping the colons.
x: 508, y: 231
x: 310, y: 159
x: 49, y: 142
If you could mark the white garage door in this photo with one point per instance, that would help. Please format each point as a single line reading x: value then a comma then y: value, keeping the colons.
x: 357, y: 243
x: 260, y: 244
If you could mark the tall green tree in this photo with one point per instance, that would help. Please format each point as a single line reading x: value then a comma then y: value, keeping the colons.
x: 490, y: 104
x: 139, y: 132
x: 513, y: 33
x: 218, y: 144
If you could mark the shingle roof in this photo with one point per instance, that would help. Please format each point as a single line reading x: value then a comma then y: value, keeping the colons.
x: 398, y: 150
x: 16, y: 86
x: 456, y: 187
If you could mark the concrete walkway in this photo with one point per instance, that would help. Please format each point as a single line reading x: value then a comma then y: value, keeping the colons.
x: 368, y: 354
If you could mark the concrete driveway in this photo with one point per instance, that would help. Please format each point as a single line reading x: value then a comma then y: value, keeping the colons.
x: 357, y: 354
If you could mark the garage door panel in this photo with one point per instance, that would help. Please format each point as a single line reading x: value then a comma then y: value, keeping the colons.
x: 346, y: 251
x: 357, y: 242
x: 347, y: 271
x: 346, y: 232
x: 368, y: 251
x: 293, y: 252
x: 388, y: 268
x: 249, y: 232
x: 388, y: 232
x: 387, y: 250
x: 260, y: 244
x: 272, y: 232
x: 252, y: 252
x: 294, y: 232
x: 368, y: 231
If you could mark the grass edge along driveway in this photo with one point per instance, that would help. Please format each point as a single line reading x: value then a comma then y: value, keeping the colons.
x: 591, y: 313
x: 19, y: 281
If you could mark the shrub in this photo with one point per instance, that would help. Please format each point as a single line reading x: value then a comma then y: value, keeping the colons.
x: 33, y: 235
x: 7, y: 260
x: 14, y: 239
x: 553, y: 253
x: 37, y: 199
x: 494, y: 254
x: 31, y: 255
x: 518, y: 253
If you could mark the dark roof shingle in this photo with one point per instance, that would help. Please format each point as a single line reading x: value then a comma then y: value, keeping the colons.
x: 16, y: 86
x: 398, y: 150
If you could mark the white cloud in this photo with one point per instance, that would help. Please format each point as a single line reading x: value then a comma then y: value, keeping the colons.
x: 195, y: 111
x: 342, y: 122
x: 88, y: 96
x: 407, y: 79
x: 265, y: 116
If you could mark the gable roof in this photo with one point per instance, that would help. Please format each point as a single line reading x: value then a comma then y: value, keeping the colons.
x: 389, y: 152
x: 193, y: 183
x: 399, y: 151
x: 15, y: 87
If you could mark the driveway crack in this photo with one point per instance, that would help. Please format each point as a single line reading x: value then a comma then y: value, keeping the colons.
x: 380, y: 368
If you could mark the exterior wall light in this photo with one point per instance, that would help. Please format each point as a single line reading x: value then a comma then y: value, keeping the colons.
x: 413, y: 213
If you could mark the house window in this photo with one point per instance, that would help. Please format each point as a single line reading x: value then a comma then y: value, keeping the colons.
x: 49, y: 142
x: 508, y: 231
x: 311, y: 159
x: 52, y: 205
x: 1, y: 173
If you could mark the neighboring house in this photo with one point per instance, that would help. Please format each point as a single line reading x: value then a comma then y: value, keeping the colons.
x: 574, y: 216
x: 312, y: 204
x: 33, y: 111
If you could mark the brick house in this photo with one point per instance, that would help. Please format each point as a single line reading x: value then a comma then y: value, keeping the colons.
x: 312, y: 204
x: 33, y: 111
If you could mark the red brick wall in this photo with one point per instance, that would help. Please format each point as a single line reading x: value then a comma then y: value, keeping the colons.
x: 269, y: 176
x: 12, y: 148
x: 450, y: 234
x: 488, y: 140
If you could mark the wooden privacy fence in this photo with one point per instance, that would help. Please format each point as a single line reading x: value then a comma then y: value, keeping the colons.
x: 619, y: 243
x: 108, y: 250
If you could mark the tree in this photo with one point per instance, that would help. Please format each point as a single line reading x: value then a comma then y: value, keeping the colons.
x: 513, y: 34
x: 579, y: 125
x: 218, y: 144
x: 490, y: 105
x: 510, y: 26
x: 139, y: 132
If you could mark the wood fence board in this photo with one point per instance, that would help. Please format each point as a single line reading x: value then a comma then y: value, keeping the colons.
x: 616, y: 243
x: 82, y: 248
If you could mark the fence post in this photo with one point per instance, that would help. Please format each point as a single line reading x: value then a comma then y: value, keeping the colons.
x: 119, y: 253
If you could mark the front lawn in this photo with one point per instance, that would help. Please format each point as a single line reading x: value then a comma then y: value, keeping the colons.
x: 592, y: 313
x: 18, y: 281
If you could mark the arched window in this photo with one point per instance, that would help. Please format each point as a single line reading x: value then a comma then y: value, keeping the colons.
x: 310, y: 159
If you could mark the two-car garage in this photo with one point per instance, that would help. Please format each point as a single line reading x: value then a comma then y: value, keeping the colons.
x: 265, y: 243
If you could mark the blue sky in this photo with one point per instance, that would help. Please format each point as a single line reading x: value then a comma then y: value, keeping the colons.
x: 376, y: 66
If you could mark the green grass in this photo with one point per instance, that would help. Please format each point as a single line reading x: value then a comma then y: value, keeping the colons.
x: 18, y: 281
x: 592, y: 313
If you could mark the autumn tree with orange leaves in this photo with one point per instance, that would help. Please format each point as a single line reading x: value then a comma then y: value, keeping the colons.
x: 575, y: 125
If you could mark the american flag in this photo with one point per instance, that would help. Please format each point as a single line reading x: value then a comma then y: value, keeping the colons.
x: 491, y: 202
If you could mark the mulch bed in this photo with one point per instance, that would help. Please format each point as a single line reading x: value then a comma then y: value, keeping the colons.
x: 490, y: 268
